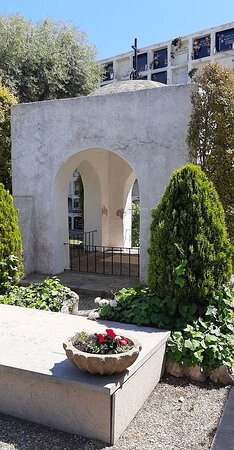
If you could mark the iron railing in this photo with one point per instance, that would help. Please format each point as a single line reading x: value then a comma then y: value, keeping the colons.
x: 106, y: 260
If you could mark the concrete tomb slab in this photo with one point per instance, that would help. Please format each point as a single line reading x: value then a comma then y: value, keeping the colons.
x: 39, y: 384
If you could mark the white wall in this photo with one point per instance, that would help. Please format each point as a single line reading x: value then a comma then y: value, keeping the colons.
x: 145, y: 128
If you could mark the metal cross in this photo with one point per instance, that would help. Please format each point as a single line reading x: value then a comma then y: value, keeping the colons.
x: 134, y: 75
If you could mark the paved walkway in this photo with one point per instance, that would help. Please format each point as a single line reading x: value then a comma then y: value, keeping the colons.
x: 87, y: 283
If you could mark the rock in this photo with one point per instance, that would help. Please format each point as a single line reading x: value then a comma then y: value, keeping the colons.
x: 195, y: 373
x: 222, y: 374
x: 71, y: 305
x: 93, y: 315
x: 174, y: 369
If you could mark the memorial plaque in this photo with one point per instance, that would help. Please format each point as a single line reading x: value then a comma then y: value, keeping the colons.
x: 160, y: 58
x: 160, y: 77
x: 108, y: 73
x: 141, y: 62
x: 224, y: 40
x: 201, y: 47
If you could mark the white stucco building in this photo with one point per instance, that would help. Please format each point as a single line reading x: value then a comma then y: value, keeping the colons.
x: 120, y: 133
x: 171, y: 62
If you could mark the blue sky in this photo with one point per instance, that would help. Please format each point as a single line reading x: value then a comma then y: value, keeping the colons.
x: 112, y: 25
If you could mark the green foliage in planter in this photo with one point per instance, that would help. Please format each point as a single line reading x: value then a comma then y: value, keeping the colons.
x: 135, y: 225
x: 6, y: 101
x: 208, y: 341
x: 189, y: 254
x: 48, y: 295
x: 10, y: 239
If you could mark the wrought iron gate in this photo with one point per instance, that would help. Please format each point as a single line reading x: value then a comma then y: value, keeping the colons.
x: 102, y: 259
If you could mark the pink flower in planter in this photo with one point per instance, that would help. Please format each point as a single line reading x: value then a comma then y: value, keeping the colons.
x: 110, y: 333
x: 123, y: 341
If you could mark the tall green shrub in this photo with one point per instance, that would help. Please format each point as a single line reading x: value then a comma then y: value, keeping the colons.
x: 6, y: 101
x: 189, y: 254
x: 10, y: 238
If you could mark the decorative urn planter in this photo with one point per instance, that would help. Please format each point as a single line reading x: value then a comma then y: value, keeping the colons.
x: 102, y: 364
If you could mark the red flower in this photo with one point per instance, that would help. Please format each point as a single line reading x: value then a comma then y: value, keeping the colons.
x: 123, y: 341
x: 101, y: 338
x: 111, y: 334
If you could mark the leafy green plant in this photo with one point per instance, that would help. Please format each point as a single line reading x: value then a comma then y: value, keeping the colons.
x: 48, y: 295
x: 8, y: 273
x: 189, y: 254
x: 142, y: 306
x: 10, y: 239
x: 208, y: 341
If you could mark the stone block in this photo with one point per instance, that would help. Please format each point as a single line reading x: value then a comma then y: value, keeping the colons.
x: 38, y: 383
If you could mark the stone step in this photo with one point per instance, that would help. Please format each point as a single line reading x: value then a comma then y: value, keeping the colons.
x: 39, y: 384
x: 86, y: 283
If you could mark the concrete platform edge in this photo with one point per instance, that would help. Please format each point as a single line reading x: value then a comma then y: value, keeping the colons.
x: 224, y: 437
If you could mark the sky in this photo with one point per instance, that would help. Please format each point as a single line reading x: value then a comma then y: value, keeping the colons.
x: 112, y: 25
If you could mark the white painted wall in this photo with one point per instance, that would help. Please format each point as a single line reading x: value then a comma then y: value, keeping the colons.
x: 109, y: 139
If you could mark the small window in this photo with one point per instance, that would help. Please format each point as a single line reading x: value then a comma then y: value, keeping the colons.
x: 141, y: 62
x: 160, y: 59
x: 201, y: 47
x: 108, y: 73
x: 160, y: 77
x: 224, y: 40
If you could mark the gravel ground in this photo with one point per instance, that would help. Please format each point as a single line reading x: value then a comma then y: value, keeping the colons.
x: 177, y: 416
x: 86, y: 304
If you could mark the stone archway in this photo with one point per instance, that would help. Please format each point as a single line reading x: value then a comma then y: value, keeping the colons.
x: 107, y: 181
x: 142, y: 122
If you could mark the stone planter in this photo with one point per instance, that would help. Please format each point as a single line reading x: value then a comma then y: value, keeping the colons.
x: 101, y: 364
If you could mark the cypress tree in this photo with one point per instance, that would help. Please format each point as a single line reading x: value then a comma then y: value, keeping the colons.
x: 189, y: 253
x: 10, y: 238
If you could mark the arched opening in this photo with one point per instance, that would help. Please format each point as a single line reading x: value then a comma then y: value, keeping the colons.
x: 76, y: 204
x: 99, y: 219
